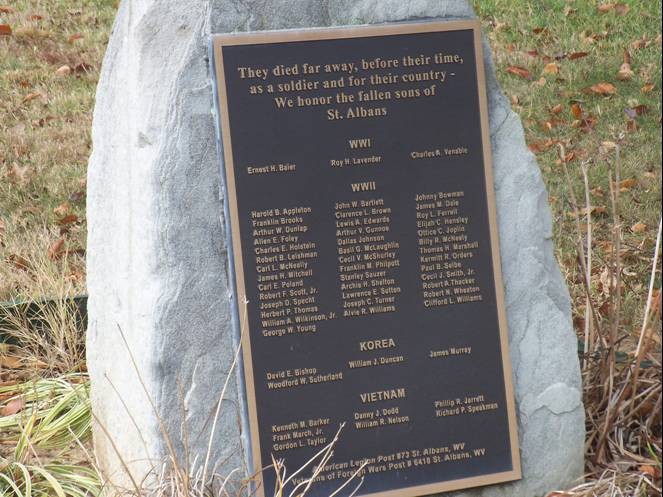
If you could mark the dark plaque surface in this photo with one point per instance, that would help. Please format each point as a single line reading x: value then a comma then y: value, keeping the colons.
x: 365, y: 256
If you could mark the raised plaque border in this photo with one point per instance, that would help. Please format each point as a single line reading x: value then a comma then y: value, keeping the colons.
x: 310, y: 34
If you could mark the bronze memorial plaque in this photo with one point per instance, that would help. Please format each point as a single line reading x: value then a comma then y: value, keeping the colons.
x: 365, y: 256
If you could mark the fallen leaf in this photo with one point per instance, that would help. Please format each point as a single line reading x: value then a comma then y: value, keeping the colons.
x: 71, y: 218
x: 622, y: 9
x: 79, y: 251
x: 551, y: 68
x: 627, y: 184
x: 640, y: 43
x: 625, y: 72
x: 631, y: 126
x: 5, y: 30
x: 32, y: 96
x: 569, y: 157
x: 602, y: 89
x: 519, y: 71
x: 83, y: 67
x: 540, y: 146
x: 597, y: 191
x: 587, y: 124
x: 607, y: 145
x: 42, y: 121
x: 36, y: 17
x: 10, y: 362
x: 19, y: 262
x: 76, y: 196
x: 538, y: 31
x: 18, y: 174
x: 576, y: 110
x: 557, y: 109
x: 619, y: 8
x: 639, y: 227
x: 587, y: 36
x: 646, y: 468
x: 598, y: 210
x: 12, y: 407
x: 577, y: 55
x: 647, y: 88
x: 62, y: 209
x: 550, y: 124
x: 638, y: 110
x: 6, y: 9
x: 498, y: 26
x: 63, y: 71
x: 74, y: 37
x: 533, y: 53
x: 76, y: 276
x: 56, y: 249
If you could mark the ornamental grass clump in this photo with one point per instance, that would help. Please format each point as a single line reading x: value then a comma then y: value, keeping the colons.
x: 46, y: 421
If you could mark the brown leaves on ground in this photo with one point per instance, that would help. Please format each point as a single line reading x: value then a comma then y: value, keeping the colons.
x: 32, y: 96
x: 5, y: 30
x: 638, y: 110
x: 19, y: 262
x: 519, y: 71
x: 639, y: 227
x: 62, y: 210
x: 551, y: 68
x: 69, y: 219
x: 650, y: 470
x: 10, y: 362
x: 57, y: 249
x: 603, y: 88
x: 627, y: 184
x: 625, y: 72
x: 12, y: 407
x: 619, y: 8
x: 577, y: 55
x: 74, y: 37
x: 541, y: 146
x: 647, y: 88
x: 63, y: 71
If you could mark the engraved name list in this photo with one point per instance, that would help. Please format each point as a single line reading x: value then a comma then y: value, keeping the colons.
x: 365, y: 256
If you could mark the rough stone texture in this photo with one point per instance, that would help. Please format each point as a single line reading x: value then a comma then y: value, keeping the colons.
x: 157, y: 248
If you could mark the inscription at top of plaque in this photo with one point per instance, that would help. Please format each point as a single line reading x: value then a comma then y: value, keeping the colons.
x: 360, y: 198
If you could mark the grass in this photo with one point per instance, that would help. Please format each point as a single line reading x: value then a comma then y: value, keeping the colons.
x: 45, y: 137
x: 43, y: 423
x: 585, y: 77
x: 533, y: 35
x: 561, y: 64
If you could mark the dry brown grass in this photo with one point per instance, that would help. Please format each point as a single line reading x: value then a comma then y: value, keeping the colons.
x: 45, y: 137
x: 621, y: 378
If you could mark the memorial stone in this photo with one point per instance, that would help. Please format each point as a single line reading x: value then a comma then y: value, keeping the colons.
x: 162, y: 284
